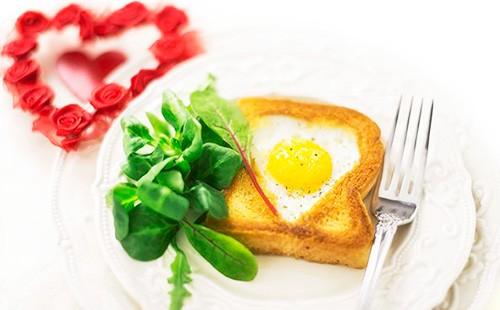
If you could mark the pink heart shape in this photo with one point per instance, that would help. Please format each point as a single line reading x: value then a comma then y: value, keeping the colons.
x: 82, y: 75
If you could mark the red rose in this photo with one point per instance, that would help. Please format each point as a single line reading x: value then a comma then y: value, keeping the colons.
x: 70, y: 120
x: 32, y: 22
x: 168, y: 48
x: 86, y: 25
x: 192, y: 44
x: 170, y: 19
x: 105, y: 28
x: 130, y: 15
x: 139, y: 81
x: 67, y: 15
x: 36, y: 98
x: 109, y: 95
x: 19, y: 48
x: 22, y: 71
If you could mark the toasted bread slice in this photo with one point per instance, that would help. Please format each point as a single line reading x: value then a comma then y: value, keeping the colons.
x: 338, y: 228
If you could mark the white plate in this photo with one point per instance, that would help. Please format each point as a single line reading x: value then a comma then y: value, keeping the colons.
x: 428, y: 255
x: 474, y: 287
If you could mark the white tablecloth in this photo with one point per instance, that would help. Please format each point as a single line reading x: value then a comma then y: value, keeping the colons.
x: 456, y: 43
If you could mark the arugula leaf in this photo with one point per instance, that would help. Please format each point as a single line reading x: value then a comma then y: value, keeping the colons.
x: 160, y: 127
x: 180, y: 277
x: 227, y: 120
x: 149, y: 234
x: 173, y: 110
x: 124, y: 197
x: 172, y: 179
x: 136, y: 135
x: 217, y: 165
x: 163, y: 200
x: 224, y: 253
x: 206, y: 198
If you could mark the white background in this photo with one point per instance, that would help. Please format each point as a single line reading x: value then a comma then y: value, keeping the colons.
x: 455, y: 42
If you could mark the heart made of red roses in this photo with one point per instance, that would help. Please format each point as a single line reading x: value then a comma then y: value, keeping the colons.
x: 69, y: 125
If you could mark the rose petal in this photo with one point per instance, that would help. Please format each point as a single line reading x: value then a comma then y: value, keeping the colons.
x: 86, y: 26
x: 130, y: 15
x: 68, y: 15
x: 105, y: 28
x: 170, y: 19
x: 19, y: 48
x: 70, y: 120
x: 31, y: 23
x: 22, y: 71
x: 109, y: 95
x: 36, y: 98
x: 139, y: 81
x: 169, y: 48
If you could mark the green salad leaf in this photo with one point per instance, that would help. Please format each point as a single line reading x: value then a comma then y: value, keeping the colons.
x: 191, y: 141
x: 138, y: 165
x: 124, y: 197
x: 136, y: 135
x: 183, y: 166
x: 163, y: 200
x: 174, y: 111
x: 149, y: 234
x: 171, y: 179
x: 217, y: 165
x: 222, y: 116
x: 210, y: 136
x: 160, y: 127
x: 224, y: 253
x: 120, y: 217
x: 206, y: 198
x: 174, y: 176
x: 180, y: 277
x: 155, y: 170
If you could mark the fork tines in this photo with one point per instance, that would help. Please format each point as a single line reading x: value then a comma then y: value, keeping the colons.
x: 406, y: 151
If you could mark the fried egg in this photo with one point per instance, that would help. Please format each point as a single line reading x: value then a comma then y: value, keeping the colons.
x: 299, y: 161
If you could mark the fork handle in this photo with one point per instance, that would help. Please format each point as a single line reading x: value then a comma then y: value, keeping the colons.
x: 384, y: 233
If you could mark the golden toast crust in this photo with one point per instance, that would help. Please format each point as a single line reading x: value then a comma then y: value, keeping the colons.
x: 338, y: 229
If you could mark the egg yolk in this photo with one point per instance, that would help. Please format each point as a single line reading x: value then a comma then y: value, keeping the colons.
x: 300, y: 165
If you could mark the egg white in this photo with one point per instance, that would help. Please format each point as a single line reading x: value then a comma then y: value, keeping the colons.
x: 339, y: 142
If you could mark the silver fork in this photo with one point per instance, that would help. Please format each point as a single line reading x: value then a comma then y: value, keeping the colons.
x: 400, y: 187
